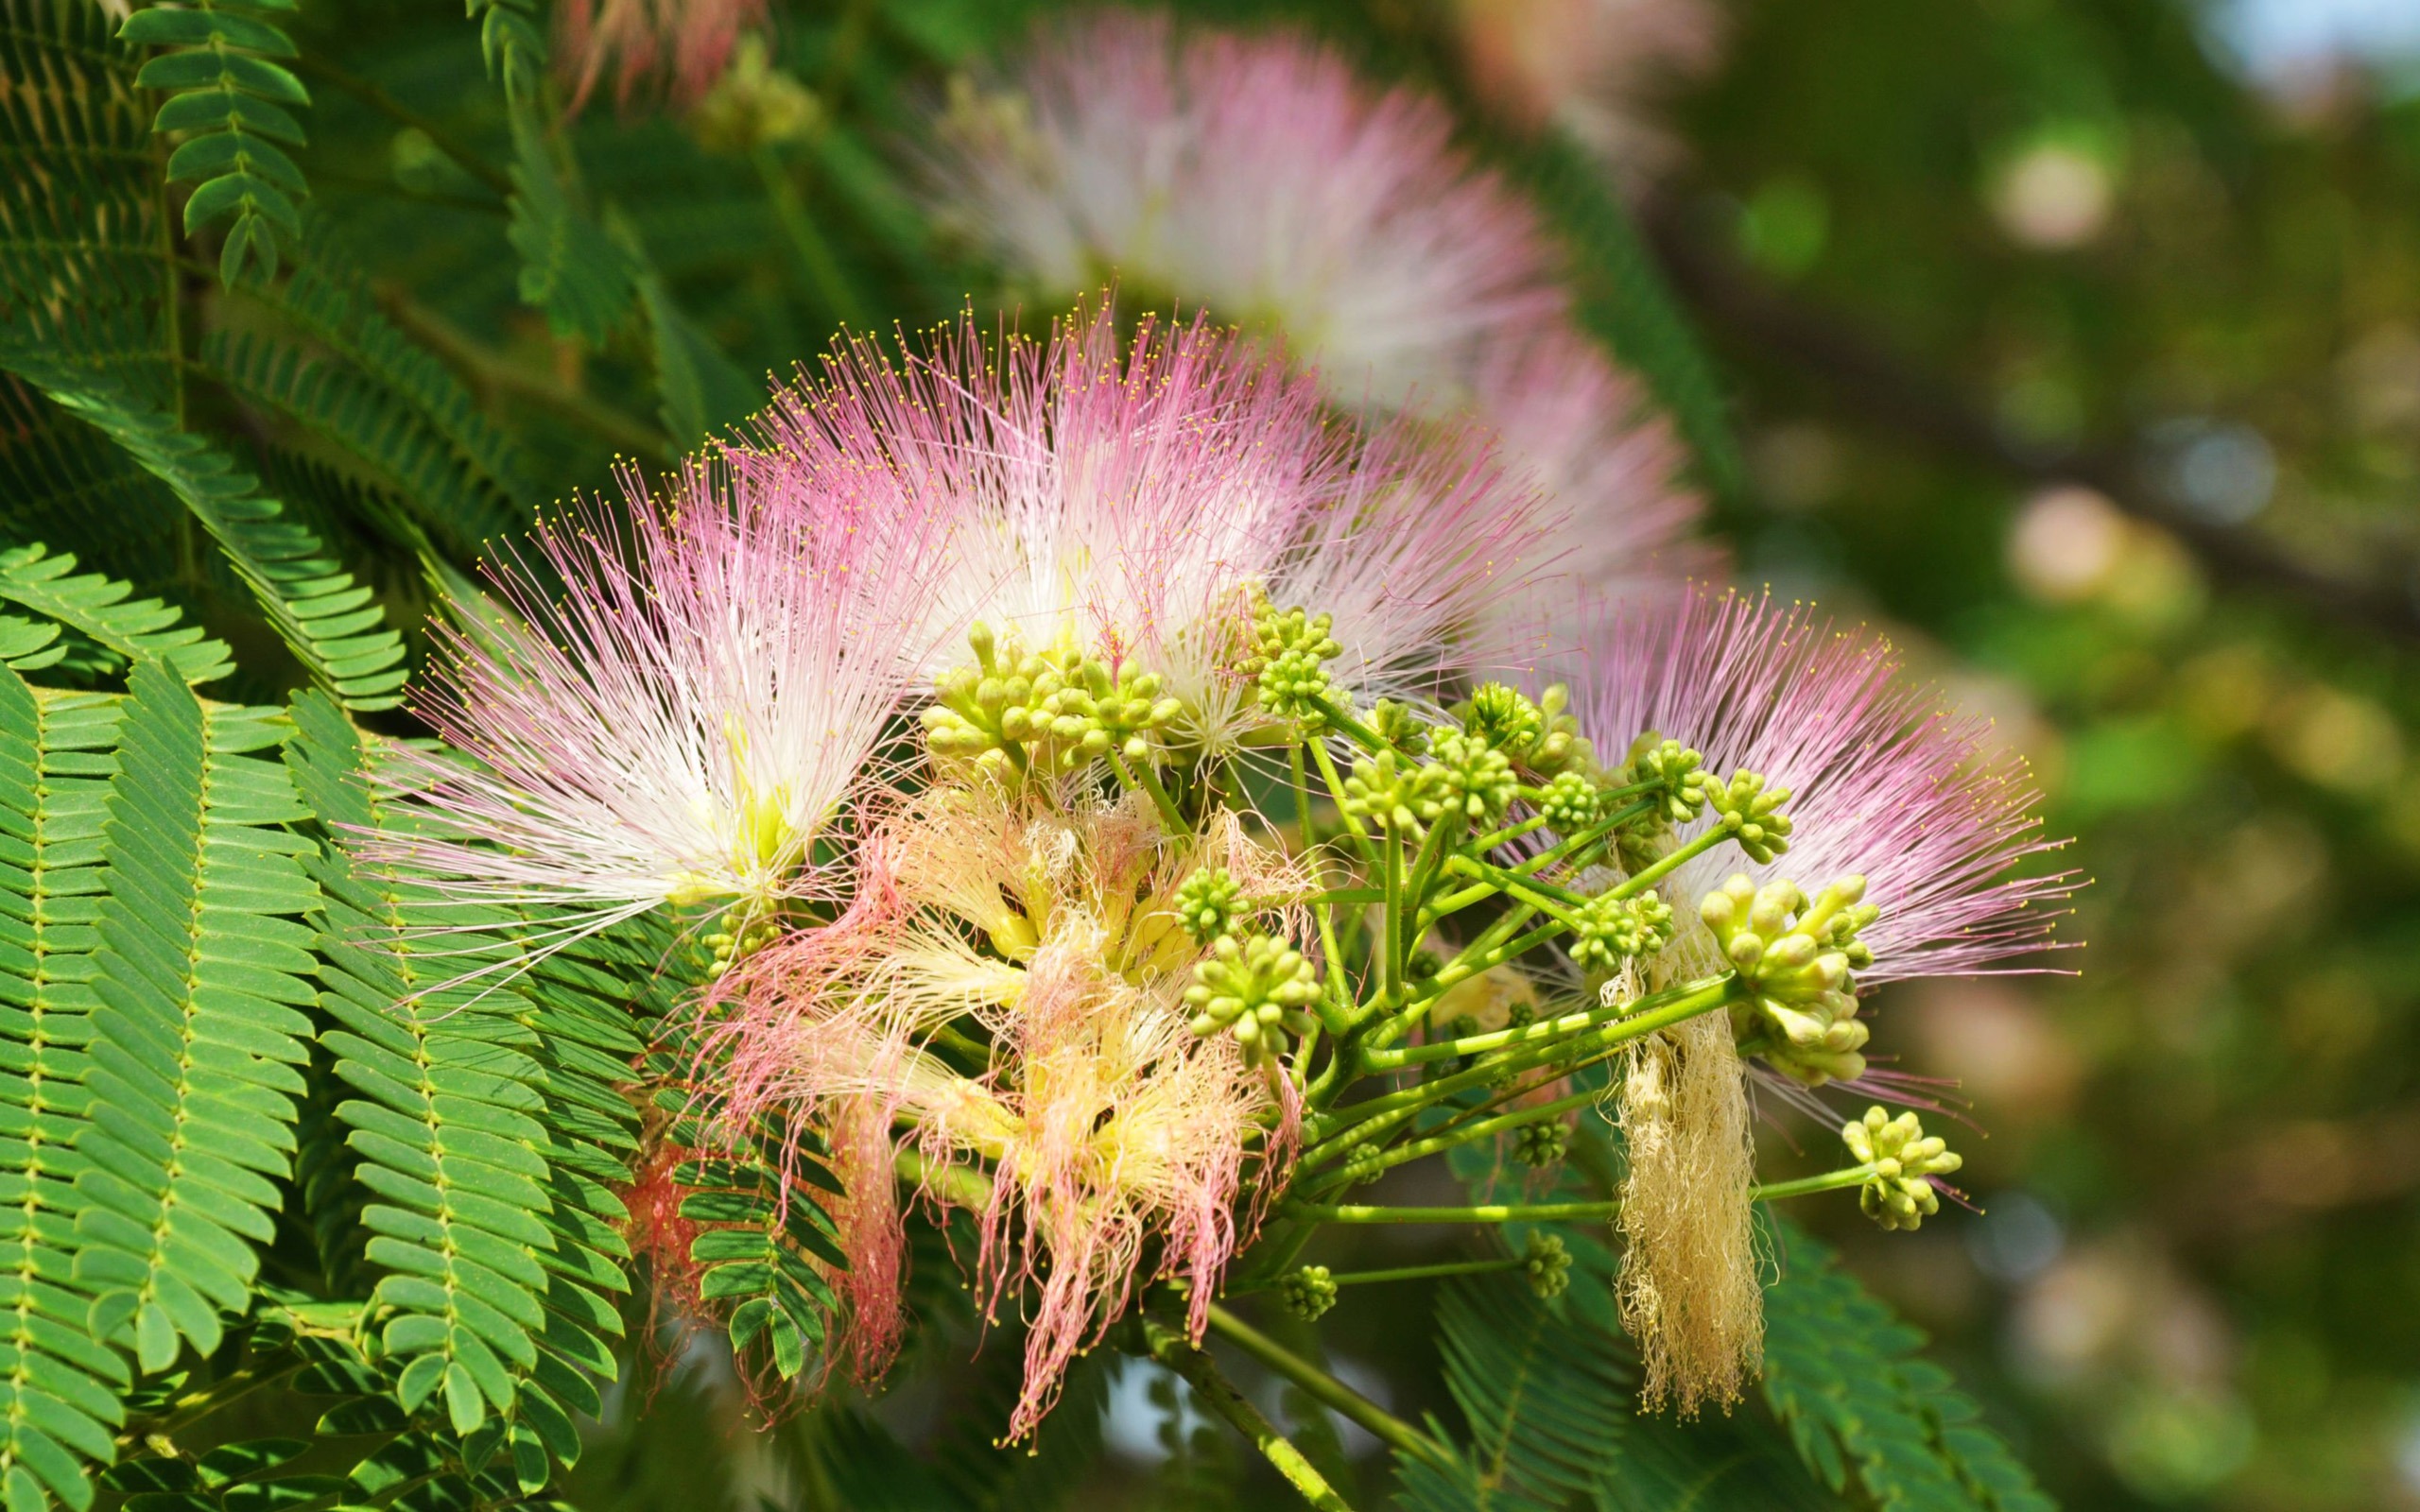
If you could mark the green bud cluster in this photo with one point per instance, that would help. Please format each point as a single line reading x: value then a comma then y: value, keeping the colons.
x: 1306, y: 1292
x: 1256, y: 989
x: 1400, y: 726
x: 1363, y: 1164
x: 1207, y: 901
x: 1290, y: 650
x: 1795, y: 957
x: 1612, y: 929
x: 1548, y: 1265
x: 1059, y: 708
x: 734, y: 945
x: 1539, y: 737
x: 1542, y: 1144
x: 1393, y: 793
x: 1472, y: 777
x: 1677, y: 772
x: 1751, y: 811
x: 1898, y: 1195
x: 1572, y: 803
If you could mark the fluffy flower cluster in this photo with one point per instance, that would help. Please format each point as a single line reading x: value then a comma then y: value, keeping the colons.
x: 1136, y: 497
x: 1106, y: 1123
x: 1259, y: 176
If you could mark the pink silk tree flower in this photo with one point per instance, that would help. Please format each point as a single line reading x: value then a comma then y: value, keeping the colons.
x: 1885, y: 782
x: 1258, y: 177
x: 685, y: 720
x: 682, y: 45
x: 1133, y: 496
x: 1593, y: 67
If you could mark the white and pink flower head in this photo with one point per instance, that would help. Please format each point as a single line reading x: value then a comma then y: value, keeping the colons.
x: 1258, y: 177
x: 1132, y: 494
x: 685, y: 717
x: 1885, y: 782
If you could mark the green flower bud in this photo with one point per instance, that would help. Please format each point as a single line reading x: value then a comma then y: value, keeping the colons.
x: 1680, y: 779
x: 1363, y: 1165
x: 1472, y: 777
x: 1753, y: 813
x: 1899, y: 1193
x: 1542, y: 1144
x: 1400, y: 726
x: 1206, y: 902
x: 1796, y: 957
x: 1290, y: 653
x: 1503, y: 719
x: 1571, y: 805
x: 1256, y: 990
x: 1548, y: 1265
x: 1306, y: 1292
x: 1612, y: 929
x: 1391, y: 793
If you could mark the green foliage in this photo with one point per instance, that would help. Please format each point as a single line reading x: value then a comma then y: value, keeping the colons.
x: 98, y: 607
x: 198, y: 971
x: 60, y: 1384
x: 385, y: 400
x: 763, y: 1235
x: 1844, y: 1373
x: 497, y: 1239
x: 1546, y: 1393
x: 229, y: 94
x: 569, y: 268
x: 332, y: 627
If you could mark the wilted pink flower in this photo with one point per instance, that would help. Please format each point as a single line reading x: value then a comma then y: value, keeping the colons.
x: 1133, y: 495
x: 686, y: 719
x: 1885, y: 782
x: 1257, y: 176
x: 683, y: 43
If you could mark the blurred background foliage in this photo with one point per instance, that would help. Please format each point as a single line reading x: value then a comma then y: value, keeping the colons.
x: 2077, y: 342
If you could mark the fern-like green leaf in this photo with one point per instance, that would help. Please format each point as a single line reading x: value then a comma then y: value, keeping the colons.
x: 1843, y: 1372
x: 57, y: 1384
x: 569, y: 268
x: 230, y: 97
x: 388, y: 400
x: 196, y: 1038
x: 99, y: 607
x: 761, y: 1242
x: 495, y: 1244
x: 333, y: 627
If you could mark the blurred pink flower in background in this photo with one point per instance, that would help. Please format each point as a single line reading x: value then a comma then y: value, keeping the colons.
x: 681, y: 46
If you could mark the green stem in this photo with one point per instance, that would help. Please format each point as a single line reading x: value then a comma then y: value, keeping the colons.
x: 1322, y: 1387
x: 1301, y: 793
x: 1145, y: 780
x: 1519, y: 883
x: 1487, y: 1213
x: 1362, y: 735
x: 492, y: 370
x: 1403, y: 1154
x: 1421, y: 1273
x: 1855, y: 1175
x: 1174, y: 1351
x: 1649, y: 1015
x: 1336, y: 791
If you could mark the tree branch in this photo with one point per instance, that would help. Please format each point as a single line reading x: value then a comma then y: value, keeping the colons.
x: 1866, y: 381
